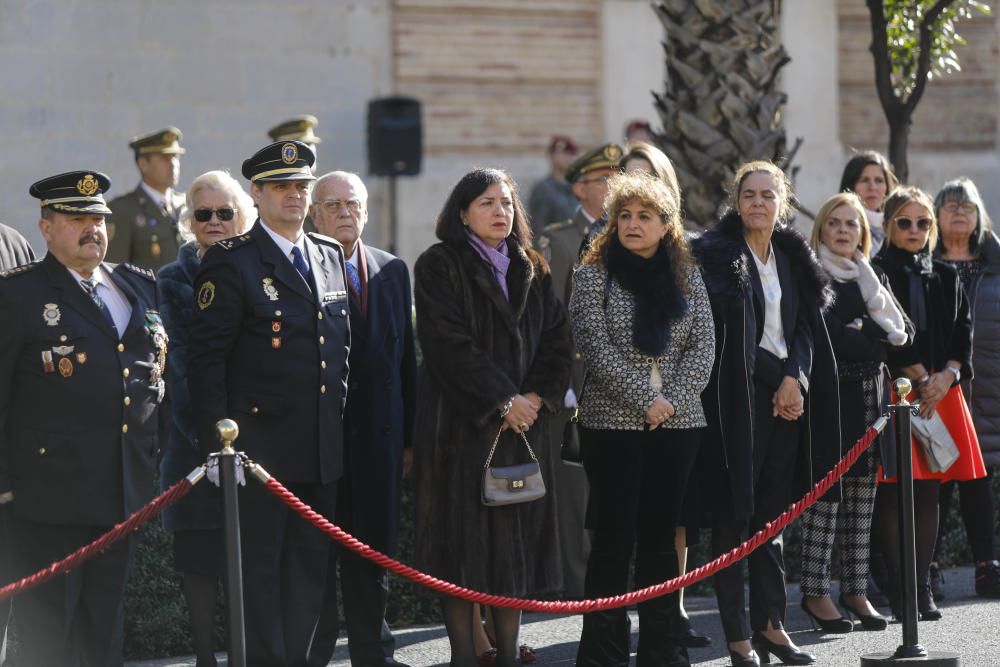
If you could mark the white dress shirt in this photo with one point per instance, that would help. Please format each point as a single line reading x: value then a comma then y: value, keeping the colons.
x: 286, y: 246
x: 111, y: 295
x: 161, y: 199
x: 773, y: 338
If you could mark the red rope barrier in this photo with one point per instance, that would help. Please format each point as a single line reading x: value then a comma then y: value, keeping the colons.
x: 579, y: 606
x: 138, y: 518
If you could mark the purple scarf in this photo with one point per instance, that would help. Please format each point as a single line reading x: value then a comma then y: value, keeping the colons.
x: 497, y: 258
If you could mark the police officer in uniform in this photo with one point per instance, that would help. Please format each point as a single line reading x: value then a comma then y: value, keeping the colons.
x: 82, y: 355
x: 299, y: 128
x: 561, y: 244
x: 270, y: 338
x: 143, y: 223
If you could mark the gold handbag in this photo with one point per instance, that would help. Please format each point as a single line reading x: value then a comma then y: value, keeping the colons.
x: 509, y: 485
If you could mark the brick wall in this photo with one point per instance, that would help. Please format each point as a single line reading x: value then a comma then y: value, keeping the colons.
x: 500, y: 76
x: 957, y: 112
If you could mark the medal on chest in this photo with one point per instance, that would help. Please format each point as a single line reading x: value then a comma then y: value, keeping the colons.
x: 270, y: 291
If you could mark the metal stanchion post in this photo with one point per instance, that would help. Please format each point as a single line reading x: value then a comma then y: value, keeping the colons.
x: 228, y: 431
x: 910, y: 651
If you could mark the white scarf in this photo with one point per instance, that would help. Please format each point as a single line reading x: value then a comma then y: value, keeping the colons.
x: 881, y: 307
x: 876, y: 227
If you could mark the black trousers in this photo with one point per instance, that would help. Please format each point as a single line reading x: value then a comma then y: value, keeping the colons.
x: 978, y: 515
x: 775, y: 458
x: 75, y: 620
x: 364, y: 589
x: 637, y: 483
x: 6, y: 575
x: 284, y: 572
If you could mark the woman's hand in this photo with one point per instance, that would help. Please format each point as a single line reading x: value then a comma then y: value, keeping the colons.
x: 787, y: 401
x: 932, y: 391
x: 660, y: 411
x: 523, y: 413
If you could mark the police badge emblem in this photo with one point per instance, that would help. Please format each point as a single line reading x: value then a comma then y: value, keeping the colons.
x: 87, y: 185
x: 289, y: 153
x: 51, y: 314
x: 206, y: 294
x: 269, y: 289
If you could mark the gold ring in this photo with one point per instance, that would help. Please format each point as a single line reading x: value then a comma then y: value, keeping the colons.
x: 524, y: 427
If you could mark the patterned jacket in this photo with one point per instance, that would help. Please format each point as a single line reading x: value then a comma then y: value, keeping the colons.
x: 617, y: 390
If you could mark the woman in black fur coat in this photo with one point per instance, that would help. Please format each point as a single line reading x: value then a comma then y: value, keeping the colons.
x: 496, y: 358
x: 772, y: 403
x: 643, y: 323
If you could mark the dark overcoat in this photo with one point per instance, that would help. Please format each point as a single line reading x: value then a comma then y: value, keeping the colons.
x: 14, y: 249
x: 725, y: 466
x: 80, y: 419
x: 381, y: 400
x: 478, y: 351
x: 201, y: 508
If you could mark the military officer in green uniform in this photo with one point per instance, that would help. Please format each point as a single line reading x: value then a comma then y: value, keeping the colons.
x: 143, y: 222
x: 561, y: 243
x: 299, y: 128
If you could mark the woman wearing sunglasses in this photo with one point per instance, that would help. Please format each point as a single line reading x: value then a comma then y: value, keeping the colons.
x: 931, y: 294
x: 217, y: 208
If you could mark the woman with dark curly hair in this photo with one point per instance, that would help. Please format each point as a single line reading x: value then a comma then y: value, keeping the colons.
x: 642, y: 322
x: 496, y: 362
x: 772, y: 404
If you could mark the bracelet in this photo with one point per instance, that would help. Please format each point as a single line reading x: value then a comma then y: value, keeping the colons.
x: 505, y: 410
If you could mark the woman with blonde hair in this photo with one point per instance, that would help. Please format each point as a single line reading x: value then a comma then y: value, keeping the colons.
x: 864, y: 322
x: 217, y: 208
x: 643, y: 323
x: 931, y: 294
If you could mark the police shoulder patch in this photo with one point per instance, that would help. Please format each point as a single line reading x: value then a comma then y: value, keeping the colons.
x: 140, y: 270
x: 18, y: 270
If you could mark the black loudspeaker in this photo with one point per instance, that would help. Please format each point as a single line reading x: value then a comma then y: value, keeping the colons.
x: 395, y: 136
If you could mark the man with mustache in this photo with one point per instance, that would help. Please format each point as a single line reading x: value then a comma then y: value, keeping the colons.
x: 82, y: 355
x: 269, y: 344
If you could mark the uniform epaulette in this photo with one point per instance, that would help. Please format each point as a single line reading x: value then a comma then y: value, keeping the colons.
x: 556, y: 226
x: 139, y: 270
x: 323, y: 238
x: 235, y: 242
x: 18, y: 270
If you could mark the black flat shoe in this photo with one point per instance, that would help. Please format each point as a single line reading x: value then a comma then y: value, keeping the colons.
x: 688, y: 637
x: 740, y: 660
x: 868, y: 621
x: 838, y: 626
x: 783, y: 652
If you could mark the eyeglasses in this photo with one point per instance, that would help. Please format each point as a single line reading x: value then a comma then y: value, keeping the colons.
x: 968, y: 208
x: 332, y: 206
x: 923, y: 224
x: 205, y: 214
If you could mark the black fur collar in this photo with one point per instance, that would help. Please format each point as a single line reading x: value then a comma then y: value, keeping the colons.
x: 659, y: 300
x: 724, y: 259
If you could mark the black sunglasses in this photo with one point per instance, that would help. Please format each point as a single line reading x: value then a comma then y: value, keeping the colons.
x: 205, y: 214
x: 923, y: 224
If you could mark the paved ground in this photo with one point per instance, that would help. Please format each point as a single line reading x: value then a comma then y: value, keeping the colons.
x: 970, y: 627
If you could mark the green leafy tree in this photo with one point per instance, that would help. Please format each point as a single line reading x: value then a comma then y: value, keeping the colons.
x: 913, y: 41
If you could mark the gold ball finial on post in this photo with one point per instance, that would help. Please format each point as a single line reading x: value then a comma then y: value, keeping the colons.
x: 903, y: 389
x: 227, y: 430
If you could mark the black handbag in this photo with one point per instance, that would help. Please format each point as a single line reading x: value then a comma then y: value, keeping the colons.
x: 509, y: 485
x: 570, y: 451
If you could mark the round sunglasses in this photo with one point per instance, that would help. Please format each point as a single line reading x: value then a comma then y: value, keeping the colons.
x: 923, y: 224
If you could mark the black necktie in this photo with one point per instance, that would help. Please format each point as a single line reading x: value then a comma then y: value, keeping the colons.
x: 90, y: 287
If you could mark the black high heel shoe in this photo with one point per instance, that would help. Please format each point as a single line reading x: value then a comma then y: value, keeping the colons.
x: 874, y: 621
x: 688, y: 637
x: 740, y: 660
x: 783, y: 652
x: 925, y: 604
x: 834, y: 625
